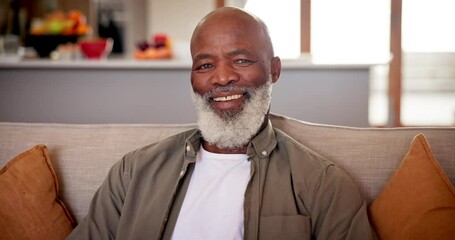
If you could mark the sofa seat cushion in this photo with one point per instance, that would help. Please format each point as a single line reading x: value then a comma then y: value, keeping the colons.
x: 29, y: 203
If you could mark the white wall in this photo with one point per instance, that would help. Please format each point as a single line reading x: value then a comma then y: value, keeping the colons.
x: 177, y: 18
x: 137, y: 22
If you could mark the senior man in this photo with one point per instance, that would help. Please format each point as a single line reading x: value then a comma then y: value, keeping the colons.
x: 235, y: 176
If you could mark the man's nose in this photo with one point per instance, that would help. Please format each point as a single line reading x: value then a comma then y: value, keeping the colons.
x: 225, y: 74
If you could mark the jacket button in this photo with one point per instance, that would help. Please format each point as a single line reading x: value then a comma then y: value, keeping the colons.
x: 182, y: 173
x: 264, y: 153
x: 188, y: 148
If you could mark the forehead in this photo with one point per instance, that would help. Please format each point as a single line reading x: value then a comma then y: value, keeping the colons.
x: 228, y: 31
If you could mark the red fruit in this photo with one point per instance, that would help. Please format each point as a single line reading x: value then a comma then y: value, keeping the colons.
x: 160, y: 39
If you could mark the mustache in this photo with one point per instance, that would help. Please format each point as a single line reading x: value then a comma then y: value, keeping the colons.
x: 248, y: 90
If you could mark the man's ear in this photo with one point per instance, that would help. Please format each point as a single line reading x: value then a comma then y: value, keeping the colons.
x: 275, y: 68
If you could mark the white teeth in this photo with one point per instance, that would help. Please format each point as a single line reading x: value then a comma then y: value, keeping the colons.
x: 228, y: 98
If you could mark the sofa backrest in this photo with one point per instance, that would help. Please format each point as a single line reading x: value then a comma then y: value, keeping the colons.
x: 370, y: 155
x: 83, y: 154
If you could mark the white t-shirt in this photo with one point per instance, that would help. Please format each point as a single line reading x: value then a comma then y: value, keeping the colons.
x: 213, y: 205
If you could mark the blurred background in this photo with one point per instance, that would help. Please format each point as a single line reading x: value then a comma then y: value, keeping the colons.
x: 415, y: 38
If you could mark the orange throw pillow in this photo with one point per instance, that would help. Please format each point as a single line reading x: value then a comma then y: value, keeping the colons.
x: 29, y: 203
x: 418, y: 202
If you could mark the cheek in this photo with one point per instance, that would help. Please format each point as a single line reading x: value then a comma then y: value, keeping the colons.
x: 255, y: 78
x: 198, y: 84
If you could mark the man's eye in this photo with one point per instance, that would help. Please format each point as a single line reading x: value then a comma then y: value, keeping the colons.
x: 243, y: 61
x: 204, y: 66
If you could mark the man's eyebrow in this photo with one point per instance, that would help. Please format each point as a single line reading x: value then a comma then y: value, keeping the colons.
x: 201, y: 56
x: 240, y: 52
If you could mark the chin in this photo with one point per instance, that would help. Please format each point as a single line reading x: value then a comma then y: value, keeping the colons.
x: 229, y: 114
x: 234, y: 127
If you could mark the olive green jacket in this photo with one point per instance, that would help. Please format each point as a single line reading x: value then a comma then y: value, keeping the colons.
x: 293, y: 193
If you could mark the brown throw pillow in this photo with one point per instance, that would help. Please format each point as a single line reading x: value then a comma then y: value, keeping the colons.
x: 418, y: 202
x: 29, y: 204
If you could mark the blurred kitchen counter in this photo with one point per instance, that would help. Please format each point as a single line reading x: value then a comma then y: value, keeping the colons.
x: 131, y: 91
x: 126, y: 63
x: 116, y: 63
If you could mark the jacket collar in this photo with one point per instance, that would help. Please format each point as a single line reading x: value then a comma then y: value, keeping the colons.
x: 192, y: 145
x: 261, y: 145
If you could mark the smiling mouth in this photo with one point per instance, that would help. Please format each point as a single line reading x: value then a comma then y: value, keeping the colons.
x: 227, y: 98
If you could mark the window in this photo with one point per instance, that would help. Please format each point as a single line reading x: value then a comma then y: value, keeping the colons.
x: 283, y: 20
x: 358, y: 31
x: 428, y: 36
x: 342, y: 31
x: 428, y: 26
x: 350, y: 30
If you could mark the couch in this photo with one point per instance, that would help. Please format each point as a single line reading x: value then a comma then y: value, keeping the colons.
x: 82, y: 154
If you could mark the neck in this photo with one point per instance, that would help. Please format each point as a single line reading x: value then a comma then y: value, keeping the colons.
x: 214, y: 149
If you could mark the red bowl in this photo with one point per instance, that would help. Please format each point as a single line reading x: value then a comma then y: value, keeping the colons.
x: 96, y: 48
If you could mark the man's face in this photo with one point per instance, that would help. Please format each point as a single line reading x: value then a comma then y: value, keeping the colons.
x: 233, y: 130
x: 227, y: 57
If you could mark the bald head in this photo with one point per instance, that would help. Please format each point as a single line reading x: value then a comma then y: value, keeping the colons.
x: 233, y: 20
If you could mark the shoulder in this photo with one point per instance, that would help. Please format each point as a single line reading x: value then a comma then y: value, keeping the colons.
x: 169, y: 142
x: 317, y: 174
x: 298, y: 153
x: 160, y: 150
x: 154, y: 160
x: 308, y: 166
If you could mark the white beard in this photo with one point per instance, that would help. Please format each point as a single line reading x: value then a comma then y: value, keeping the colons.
x: 231, y: 130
